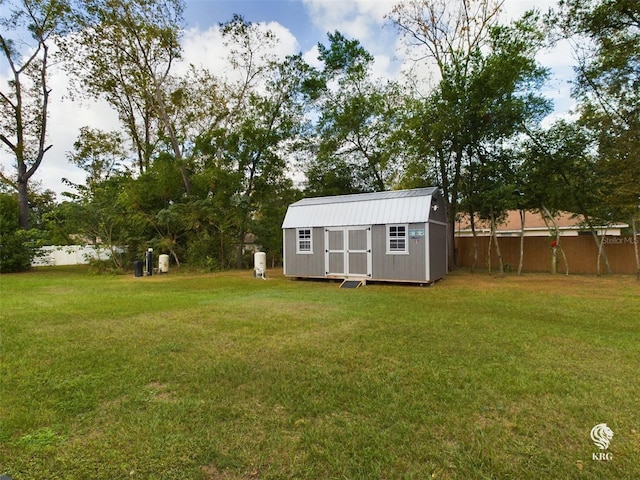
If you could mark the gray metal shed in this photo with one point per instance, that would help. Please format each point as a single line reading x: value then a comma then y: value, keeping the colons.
x: 398, y: 236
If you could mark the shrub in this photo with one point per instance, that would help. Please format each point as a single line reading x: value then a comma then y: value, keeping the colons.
x: 16, y: 250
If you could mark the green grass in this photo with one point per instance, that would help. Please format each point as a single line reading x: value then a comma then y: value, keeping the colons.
x: 225, y: 377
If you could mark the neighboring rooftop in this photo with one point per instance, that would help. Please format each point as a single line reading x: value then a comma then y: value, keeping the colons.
x: 535, y: 225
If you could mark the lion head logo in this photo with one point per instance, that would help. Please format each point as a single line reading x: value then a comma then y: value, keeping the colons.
x: 601, y: 435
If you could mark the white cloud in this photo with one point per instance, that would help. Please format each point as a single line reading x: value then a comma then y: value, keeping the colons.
x: 360, y: 19
x: 287, y: 44
x: 206, y: 48
x: 356, y: 18
x: 365, y: 21
x: 311, y: 57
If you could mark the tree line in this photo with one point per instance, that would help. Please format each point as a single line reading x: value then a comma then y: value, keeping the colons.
x: 201, y: 160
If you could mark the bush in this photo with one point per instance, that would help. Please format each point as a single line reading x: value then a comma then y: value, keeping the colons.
x: 15, y: 255
x: 205, y: 252
x: 16, y: 245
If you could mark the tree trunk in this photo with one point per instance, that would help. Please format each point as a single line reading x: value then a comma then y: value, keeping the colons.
x: 173, y: 137
x: 499, y: 254
x: 23, y: 204
x: 564, y: 259
x: 546, y: 215
x: 521, y: 261
x: 451, y: 247
x: 450, y: 192
x: 475, y: 242
x: 240, y: 257
x: 599, y: 255
x: 222, y: 262
x: 115, y: 256
x: 494, y: 233
x: 489, y: 252
x: 451, y: 222
x: 601, y: 252
x: 175, y: 257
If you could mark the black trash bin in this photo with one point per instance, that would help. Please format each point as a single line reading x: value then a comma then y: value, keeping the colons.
x: 137, y: 268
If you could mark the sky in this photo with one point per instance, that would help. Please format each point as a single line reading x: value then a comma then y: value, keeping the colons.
x: 300, y: 25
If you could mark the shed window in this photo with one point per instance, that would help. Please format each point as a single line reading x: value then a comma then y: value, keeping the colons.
x: 304, y: 240
x: 396, y: 238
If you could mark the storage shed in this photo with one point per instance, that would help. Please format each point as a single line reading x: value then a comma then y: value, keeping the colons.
x: 398, y: 236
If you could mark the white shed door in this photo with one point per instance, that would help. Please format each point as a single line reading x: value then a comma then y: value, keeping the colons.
x: 348, y: 251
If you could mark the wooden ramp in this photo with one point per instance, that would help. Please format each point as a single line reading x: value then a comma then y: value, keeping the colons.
x: 351, y: 284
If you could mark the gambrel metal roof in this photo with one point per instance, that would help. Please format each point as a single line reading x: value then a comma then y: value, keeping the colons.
x: 398, y: 206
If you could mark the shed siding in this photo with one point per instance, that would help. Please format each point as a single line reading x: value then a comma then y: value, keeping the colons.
x: 304, y: 265
x: 438, y: 249
x: 405, y: 267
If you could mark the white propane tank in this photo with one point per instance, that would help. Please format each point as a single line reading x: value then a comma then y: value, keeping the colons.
x: 260, y: 264
x: 163, y: 263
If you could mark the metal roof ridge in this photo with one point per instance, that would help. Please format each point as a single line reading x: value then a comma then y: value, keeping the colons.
x: 367, y: 196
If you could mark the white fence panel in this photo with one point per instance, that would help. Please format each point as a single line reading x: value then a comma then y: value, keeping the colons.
x: 69, y: 255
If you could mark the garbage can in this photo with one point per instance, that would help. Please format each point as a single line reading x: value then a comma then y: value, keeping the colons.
x: 137, y: 268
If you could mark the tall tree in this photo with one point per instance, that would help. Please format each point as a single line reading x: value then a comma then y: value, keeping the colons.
x: 124, y: 53
x: 358, y: 116
x: 24, y: 101
x: 608, y: 89
x: 245, y: 149
x: 562, y: 170
x: 487, y: 82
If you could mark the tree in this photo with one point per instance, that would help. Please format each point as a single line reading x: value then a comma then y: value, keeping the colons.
x: 106, y: 215
x: 562, y: 171
x: 124, y: 53
x: 100, y: 154
x: 356, y: 148
x: 267, y: 225
x: 607, y: 87
x: 255, y: 149
x: 24, y: 101
x: 245, y: 151
x: 486, y: 90
x: 487, y: 194
x: 608, y: 69
x: 156, y: 197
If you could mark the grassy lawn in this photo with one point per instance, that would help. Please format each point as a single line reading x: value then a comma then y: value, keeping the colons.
x: 225, y: 377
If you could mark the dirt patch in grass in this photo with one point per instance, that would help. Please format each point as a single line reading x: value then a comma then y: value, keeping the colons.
x: 160, y: 392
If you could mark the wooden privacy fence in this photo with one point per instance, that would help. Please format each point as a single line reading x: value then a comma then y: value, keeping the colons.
x: 581, y: 252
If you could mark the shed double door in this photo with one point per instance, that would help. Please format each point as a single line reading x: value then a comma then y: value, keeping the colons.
x: 347, y: 251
